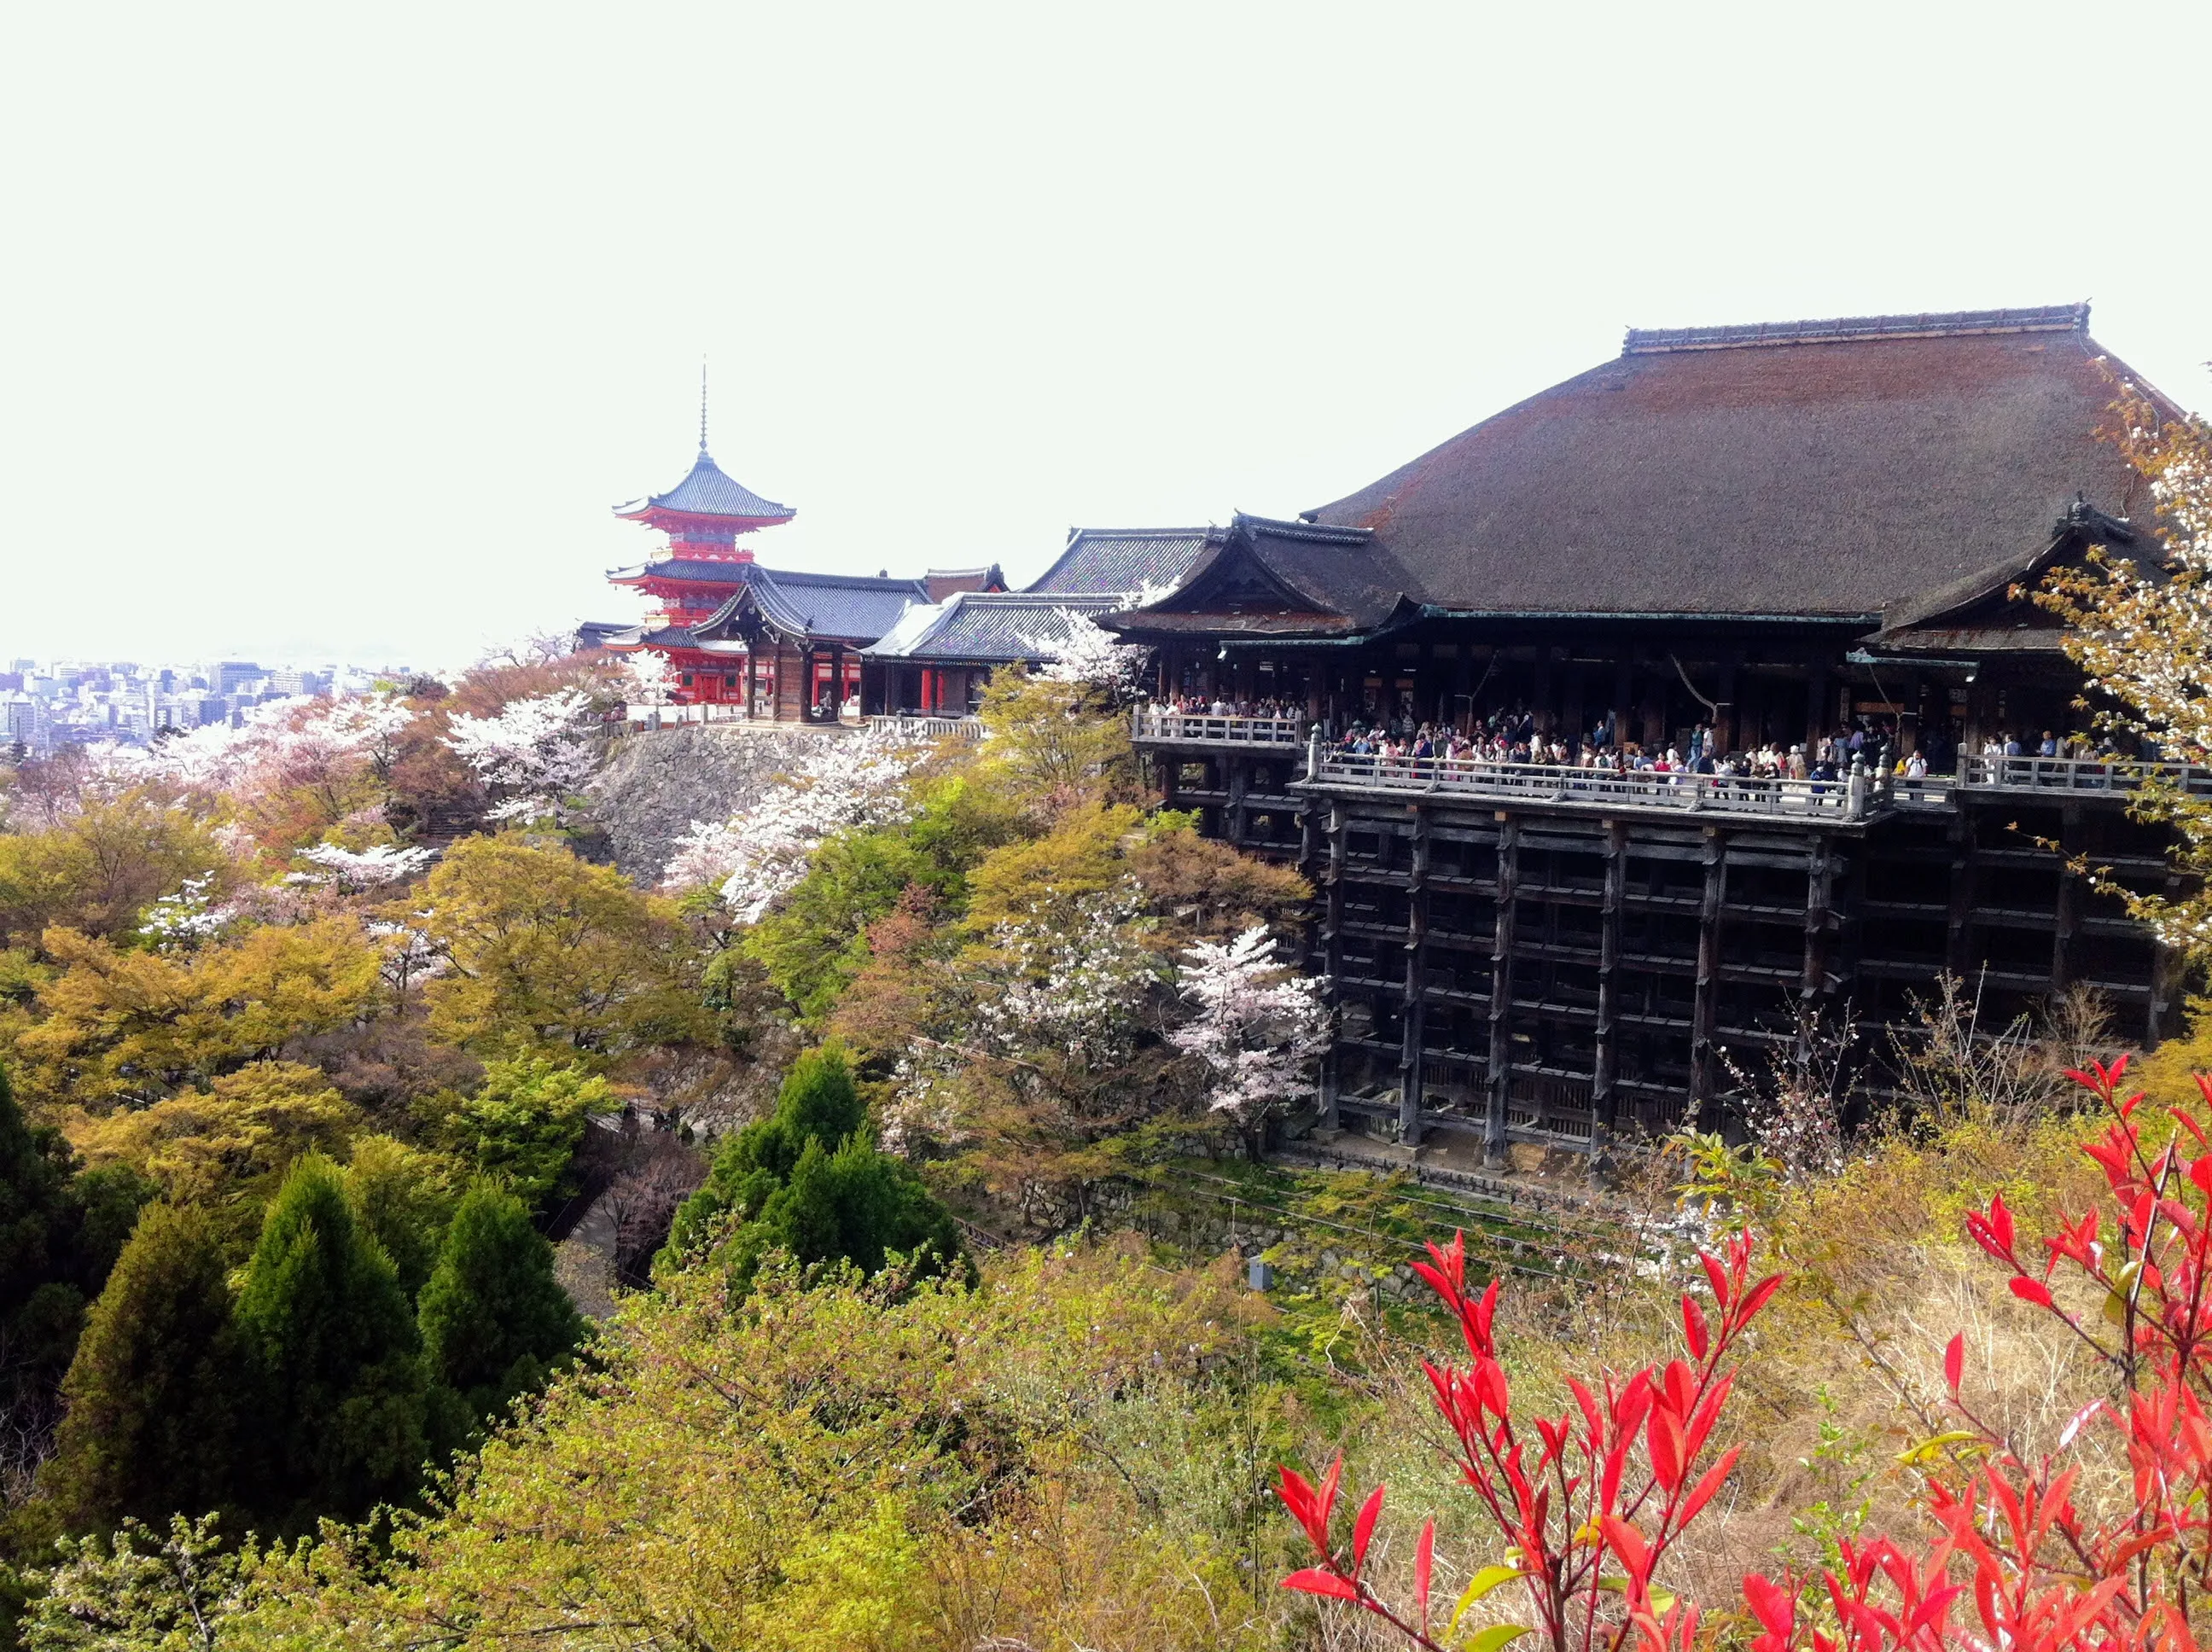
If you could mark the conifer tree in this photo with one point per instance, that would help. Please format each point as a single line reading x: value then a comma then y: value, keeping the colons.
x: 495, y: 1320
x: 150, y: 1428
x: 810, y: 1180
x: 339, y: 1384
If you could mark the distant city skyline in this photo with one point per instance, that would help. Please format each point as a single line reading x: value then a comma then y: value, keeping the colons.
x: 339, y: 334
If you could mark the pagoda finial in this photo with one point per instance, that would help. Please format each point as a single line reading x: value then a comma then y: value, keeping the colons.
x: 702, y: 404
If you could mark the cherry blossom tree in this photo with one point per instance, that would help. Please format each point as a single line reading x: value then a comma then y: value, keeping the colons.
x: 535, y: 755
x: 1258, y: 1029
x: 351, y: 871
x: 1086, y: 652
x: 761, y: 853
x: 647, y: 678
x: 2141, y: 631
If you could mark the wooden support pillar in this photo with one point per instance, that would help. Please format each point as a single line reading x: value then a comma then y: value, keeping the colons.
x: 1605, y: 1109
x: 1332, y: 943
x: 1624, y: 687
x: 2067, y: 919
x: 1958, y: 947
x: 1463, y: 709
x: 1706, y: 1006
x: 1725, y: 720
x: 1501, y: 991
x: 1412, y: 1078
x: 1819, y: 904
x: 1540, y: 693
x: 1236, y: 779
x: 1820, y: 706
x: 1572, y: 714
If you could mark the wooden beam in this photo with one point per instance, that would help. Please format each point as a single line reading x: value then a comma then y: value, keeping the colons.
x: 1604, y: 1108
x: 1411, y: 1078
x: 2066, y: 918
x: 1501, y: 990
x: 1706, y: 1004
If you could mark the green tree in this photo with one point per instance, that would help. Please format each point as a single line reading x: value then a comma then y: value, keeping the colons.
x: 809, y: 1178
x: 523, y: 1124
x: 403, y: 1198
x: 339, y: 1382
x: 149, y: 1427
x: 550, y: 953
x: 494, y: 1320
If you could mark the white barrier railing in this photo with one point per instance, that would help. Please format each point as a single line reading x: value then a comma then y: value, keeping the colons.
x: 1847, y: 798
x: 2078, y: 774
x: 931, y: 728
x: 1199, y: 728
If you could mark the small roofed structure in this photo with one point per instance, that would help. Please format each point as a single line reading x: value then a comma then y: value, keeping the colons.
x: 936, y: 660
x: 1124, y: 561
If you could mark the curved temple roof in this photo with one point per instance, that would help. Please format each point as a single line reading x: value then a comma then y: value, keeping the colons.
x: 1810, y: 469
x: 708, y: 491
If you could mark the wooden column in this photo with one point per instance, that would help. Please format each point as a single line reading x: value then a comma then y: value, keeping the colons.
x: 1819, y: 902
x: 2066, y: 922
x: 1412, y: 1080
x: 1236, y: 780
x: 1605, y: 1111
x: 1623, y: 690
x: 1725, y: 721
x: 1331, y: 942
x: 1501, y: 990
x: 1958, y: 947
x: 1820, y: 706
x: 1707, y: 1004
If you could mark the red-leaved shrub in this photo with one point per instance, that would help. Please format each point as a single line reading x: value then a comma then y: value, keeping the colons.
x: 2014, y: 1563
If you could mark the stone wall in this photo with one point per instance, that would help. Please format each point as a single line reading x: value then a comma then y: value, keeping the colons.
x: 655, y: 784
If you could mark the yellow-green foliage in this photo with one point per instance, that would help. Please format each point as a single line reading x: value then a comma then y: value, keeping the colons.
x: 200, y: 1148
x: 550, y: 953
x: 832, y: 1469
x: 100, y: 870
x: 120, y: 1026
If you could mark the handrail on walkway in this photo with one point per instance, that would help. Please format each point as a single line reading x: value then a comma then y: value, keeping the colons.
x: 2080, y: 775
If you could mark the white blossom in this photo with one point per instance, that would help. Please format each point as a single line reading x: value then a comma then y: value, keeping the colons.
x: 1084, y: 652
x: 761, y: 852
x: 535, y: 754
x: 1258, y: 1025
x: 352, y: 870
x: 647, y: 677
x: 1075, y: 989
x: 179, y: 922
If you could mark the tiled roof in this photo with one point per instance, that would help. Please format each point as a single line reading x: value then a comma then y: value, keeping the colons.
x: 986, y: 628
x: 847, y: 608
x: 1948, y: 324
x: 1115, y: 561
x: 1262, y: 576
x: 707, y: 492
x: 699, y: 570
x: 1845, y: 473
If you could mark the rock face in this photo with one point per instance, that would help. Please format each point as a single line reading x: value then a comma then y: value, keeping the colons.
x: 654, y: 785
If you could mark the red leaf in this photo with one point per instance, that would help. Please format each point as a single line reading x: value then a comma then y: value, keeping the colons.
x: 1954, y: 1361
x: 2033, y: 1291
x: 1774, y: 1606
x: 1364, y: 1528
x: 1624, y: 1541
x: 1758, y: 1297
x: 1693, y: 1328
x: 1314, y: 1581
x: 1665, y: 1438
x: 1713, y: 1479
x: 1425, y: 1558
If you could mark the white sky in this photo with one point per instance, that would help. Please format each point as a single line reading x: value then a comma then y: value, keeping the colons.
x: 334, y: 331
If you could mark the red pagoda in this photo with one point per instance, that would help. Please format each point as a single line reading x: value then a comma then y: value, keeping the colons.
x: 781, y: 644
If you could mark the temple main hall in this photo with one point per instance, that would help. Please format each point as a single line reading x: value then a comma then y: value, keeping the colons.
x: 1686, y: 711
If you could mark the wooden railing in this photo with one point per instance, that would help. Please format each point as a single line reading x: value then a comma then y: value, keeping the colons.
x: 2079, y: 775
x: 1199, y: 728
x: 1848, y: 798
x: 931, y: 728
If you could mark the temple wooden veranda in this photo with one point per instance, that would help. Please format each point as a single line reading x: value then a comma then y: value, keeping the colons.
x: 1728, y: 538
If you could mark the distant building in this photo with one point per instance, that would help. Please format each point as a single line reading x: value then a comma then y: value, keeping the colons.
x: 231, y: 675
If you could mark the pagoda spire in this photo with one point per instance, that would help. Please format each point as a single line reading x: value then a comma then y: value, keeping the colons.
x: 702, y: 404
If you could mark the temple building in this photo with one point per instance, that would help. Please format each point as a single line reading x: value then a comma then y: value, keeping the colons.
x: 1680, y: 706
x: 771, y: 644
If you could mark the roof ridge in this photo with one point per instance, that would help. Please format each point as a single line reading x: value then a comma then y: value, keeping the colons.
x: 1947, y: 323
